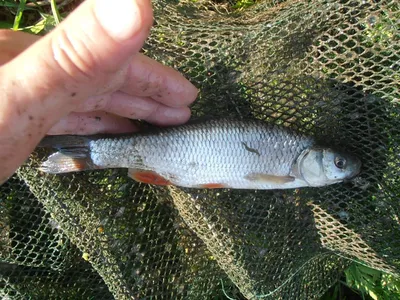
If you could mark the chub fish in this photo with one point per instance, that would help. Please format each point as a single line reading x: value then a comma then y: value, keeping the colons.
x: 214, y: 154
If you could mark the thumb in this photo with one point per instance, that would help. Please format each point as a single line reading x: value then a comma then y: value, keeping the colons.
x: 78, y: 58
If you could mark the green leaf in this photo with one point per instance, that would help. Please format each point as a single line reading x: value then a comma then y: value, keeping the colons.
x: 37, y: 28
x: 46, y: 24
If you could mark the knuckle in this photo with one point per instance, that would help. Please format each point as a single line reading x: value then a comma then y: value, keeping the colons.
x: 72, y: 56
x: 147, y: 78
x: 151, y: 110
x: 152, y: 83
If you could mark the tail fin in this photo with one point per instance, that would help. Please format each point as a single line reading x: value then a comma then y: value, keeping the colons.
x: 73, y: 154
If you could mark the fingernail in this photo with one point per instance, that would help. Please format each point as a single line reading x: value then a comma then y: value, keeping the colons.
x: 121, y: 19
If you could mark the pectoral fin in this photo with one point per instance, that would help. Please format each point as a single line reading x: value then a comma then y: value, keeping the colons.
x: 267, y: 178
x: 147, y: 176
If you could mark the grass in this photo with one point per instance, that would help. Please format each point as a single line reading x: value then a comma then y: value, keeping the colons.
x: 33, y: 17
x: 364, y: 283
x: 371, y: 282
x: 243, y: 4
x: 18, y: 16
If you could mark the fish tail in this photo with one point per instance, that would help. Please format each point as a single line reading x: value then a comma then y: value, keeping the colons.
x: 73, y: 154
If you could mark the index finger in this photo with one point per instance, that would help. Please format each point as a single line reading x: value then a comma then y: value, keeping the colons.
x: 148, y: 78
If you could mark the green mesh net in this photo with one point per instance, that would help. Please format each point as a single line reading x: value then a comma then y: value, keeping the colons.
x: 330, y: 69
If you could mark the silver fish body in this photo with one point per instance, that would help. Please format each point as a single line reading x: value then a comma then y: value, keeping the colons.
x: 213, y: 154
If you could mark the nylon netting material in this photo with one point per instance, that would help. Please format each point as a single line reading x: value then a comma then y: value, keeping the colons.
x: 327, y: 68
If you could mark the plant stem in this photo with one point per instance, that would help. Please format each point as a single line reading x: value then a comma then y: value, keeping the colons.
x: 56, y: 13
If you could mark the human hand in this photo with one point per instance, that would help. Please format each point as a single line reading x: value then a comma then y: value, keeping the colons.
x: 82, y: 78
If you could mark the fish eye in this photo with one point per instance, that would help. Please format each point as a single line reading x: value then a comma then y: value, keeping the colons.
x: 340, y: 162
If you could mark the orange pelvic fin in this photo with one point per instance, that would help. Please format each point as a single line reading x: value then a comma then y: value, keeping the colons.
x: 149, y: 177
x: 213, y: 186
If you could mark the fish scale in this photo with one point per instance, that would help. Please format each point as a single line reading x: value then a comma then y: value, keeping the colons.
x: 219, y: 153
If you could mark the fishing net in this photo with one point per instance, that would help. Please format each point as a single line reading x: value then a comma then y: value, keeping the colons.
x: 330, y: 69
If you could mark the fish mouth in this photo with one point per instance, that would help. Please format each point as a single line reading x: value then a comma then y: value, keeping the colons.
x: 357, y: 169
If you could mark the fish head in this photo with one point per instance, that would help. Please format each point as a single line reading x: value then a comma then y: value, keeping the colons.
x: 324, y: 166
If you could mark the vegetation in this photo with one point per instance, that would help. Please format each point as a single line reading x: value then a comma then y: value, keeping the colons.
x: 33, y: 16
x: 242, y: 4
x: 362, y: 282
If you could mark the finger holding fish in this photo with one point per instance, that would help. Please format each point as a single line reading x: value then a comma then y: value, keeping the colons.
x: 149, y: 78
x: 137, y: 107
x: 92, y: 122
x: 111, y: 114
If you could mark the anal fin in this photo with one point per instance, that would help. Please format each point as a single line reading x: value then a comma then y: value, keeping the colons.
x: 147, y: 176
x: 213, y: 186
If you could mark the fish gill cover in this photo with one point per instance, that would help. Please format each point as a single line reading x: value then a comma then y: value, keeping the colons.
x: 330, y: 69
